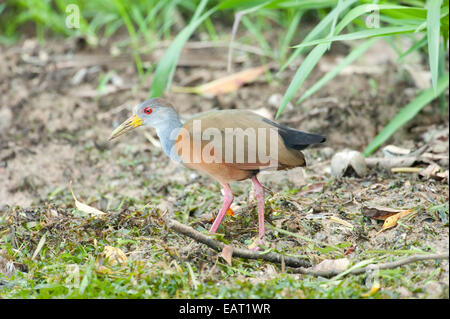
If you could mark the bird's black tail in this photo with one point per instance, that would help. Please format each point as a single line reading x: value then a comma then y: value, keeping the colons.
x: 295, y: 139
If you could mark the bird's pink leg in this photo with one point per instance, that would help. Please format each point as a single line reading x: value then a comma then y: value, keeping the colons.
x: 259, y: 192
x: 226, y: 204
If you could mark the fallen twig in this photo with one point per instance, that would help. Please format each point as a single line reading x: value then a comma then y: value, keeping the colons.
x: 298, y: 265
x: 390, y: 162
x: 237, y: 252
x: 389, y: 265
x: 406, y: 169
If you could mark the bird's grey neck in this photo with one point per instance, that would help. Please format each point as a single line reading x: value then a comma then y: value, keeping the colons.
x: 167, y: 132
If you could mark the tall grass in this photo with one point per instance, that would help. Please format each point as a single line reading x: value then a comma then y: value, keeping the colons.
x: 426, y: 19
x: 425, y: 22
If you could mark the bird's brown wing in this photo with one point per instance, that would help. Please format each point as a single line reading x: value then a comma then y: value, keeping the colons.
x: 241, y: 140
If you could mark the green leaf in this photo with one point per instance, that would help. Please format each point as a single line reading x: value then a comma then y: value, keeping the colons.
x: 407, y: 113
x: 356, y: 53
x: 433, y: 34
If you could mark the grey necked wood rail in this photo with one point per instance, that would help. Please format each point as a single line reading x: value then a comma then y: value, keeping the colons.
x: 228, y: 145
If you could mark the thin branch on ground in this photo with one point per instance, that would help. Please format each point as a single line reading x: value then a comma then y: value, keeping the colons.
x: 388, y: 265
x: 237, y: 252
x: 298, y: 265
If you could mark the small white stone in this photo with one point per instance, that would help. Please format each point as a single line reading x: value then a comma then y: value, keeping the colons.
x: 5, y: 119
x: 341, y: 161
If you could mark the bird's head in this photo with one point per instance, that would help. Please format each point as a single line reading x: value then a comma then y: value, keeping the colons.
x: 153, y: 112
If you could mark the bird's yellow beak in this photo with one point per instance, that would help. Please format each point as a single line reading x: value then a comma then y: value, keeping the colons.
x: 131, y: 123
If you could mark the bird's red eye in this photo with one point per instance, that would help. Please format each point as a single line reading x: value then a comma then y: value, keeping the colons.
x: 148, y: 110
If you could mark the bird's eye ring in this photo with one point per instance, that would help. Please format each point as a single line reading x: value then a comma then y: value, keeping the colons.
x: 148, y: 110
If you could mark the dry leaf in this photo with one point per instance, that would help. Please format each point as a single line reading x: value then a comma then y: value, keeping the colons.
x: 7, y: 267
x: 254, y: 245
x: 114, y: 256
x: 392, y: 220
x: 313, y: 188
x: 332, y: 265
x: 226, y: 84
x: 111, y: 256
x: 39, y: 246
x: 392, y: 150
x: 379, y: 212
x: 83, y: 207
x: 443, y: 176
x: 349, y: 250
x: 103, y: 269
x: 375, y: 287
x: 179, y: 269
x: 433, y: 170
x: 337, y: 220
x: 229, y: 212
x: 227, y: 253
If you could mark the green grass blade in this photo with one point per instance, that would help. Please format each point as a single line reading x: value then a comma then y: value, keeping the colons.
x: 302, y: 73
x: 363, y: 9
x: 140, y: 21
x: 309, y: 63
x: 433, y: 34
x: 441, y: 73
x: 407, y: 113
x: 443, y: 14
x: 166, y: 67
x: 199, y: 10
x: 258, y: 36
x: 315, y: 55
x: 134, y: 40
x: 2, y: 7
x: 209, y: 26
x: 304, y: 4
x: 318, y: 29
x: 284, y: 46
x: 356, y: 53
x: 368, y: 33
x: 333, y: 24
x: 237, y: 18
x: 416, y: 46
x: 444, y: 23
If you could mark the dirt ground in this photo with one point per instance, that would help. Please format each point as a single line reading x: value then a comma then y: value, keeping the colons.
x: 55, y: 120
